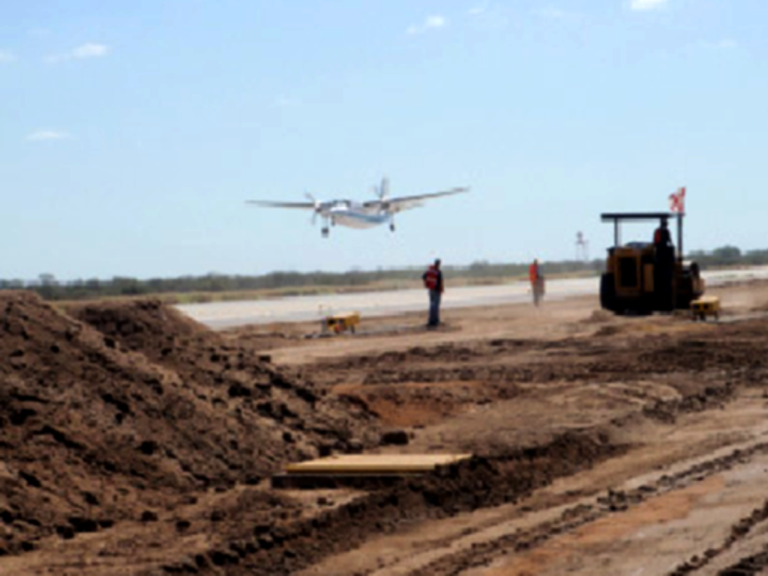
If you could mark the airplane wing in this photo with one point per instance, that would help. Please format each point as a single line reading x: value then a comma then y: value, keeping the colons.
x: 270, y: 204
x: 407, y: 202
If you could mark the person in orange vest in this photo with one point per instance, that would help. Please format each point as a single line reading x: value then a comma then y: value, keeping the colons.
x: 433, y: 282
x: 537, y: 282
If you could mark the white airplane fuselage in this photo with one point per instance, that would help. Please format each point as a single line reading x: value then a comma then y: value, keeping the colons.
x: 357, y: 216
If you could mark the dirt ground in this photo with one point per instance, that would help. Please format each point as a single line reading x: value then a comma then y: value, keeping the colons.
x: 134, y: 441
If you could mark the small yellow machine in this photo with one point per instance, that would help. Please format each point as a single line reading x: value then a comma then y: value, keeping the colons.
x: 339, y: 323
x: 706, y: 307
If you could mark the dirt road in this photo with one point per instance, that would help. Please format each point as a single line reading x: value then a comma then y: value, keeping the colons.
x: 602, y: 445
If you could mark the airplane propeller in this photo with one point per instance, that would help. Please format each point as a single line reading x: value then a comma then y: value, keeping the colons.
x: 318, y: 206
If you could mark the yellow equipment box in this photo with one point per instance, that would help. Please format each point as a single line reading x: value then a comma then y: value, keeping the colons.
x: 339, y: 323
x: 705, y: 307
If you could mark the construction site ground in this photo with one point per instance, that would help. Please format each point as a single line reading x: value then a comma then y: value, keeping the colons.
x: 135, y: 442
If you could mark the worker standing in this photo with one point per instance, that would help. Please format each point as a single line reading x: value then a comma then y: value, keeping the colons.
x: 537, y: 282
x: 662, y: 237
x: 433, y: 282
x: 664, y: 267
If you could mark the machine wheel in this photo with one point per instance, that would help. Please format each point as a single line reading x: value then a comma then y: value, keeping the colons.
x: 608, y: 292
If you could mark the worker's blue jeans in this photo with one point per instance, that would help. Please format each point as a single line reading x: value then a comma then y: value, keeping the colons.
x: 434, y: 307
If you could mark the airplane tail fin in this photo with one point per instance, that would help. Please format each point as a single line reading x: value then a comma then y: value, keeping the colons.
x: 383, y: 191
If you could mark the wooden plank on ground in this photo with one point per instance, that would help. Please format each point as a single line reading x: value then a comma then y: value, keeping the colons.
x: 376, y: 463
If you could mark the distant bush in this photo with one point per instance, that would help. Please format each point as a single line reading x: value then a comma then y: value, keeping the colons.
x: 202, y: 288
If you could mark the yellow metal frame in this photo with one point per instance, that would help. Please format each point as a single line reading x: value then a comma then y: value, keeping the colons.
x: 622, y: 290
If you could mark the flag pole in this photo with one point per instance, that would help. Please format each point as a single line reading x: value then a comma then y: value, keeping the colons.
x: 680, y: 216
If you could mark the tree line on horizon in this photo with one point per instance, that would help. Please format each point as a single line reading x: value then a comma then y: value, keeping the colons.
x: 48, y: 287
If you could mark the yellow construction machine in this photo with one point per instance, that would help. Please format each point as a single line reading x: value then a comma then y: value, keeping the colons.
x: 645, y: 277
x: 339, y: 323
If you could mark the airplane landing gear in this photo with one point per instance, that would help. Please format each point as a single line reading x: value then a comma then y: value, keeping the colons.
x: 325, y: 231
x: 392, y: 226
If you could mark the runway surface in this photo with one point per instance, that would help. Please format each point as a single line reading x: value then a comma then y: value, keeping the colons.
x: 222, y: 315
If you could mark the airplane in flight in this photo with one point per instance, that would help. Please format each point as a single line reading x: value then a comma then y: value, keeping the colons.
x: 359, y: 214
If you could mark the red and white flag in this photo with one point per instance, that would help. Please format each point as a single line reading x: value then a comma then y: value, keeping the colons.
x: 677, y: 201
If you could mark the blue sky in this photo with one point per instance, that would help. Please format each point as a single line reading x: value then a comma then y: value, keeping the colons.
x: 132, y: 132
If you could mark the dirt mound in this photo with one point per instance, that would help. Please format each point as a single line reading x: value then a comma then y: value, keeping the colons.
x: 599, y: 317
x: 233, y: 369
x: 96, y: 427
x: 667, y: 411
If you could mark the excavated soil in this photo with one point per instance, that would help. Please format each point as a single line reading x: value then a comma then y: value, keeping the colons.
x: 133, y: 408
x: 136, y: 441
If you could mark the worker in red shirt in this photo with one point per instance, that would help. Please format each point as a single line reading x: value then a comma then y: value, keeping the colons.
x: 537, y: 282
x: 433, y: 282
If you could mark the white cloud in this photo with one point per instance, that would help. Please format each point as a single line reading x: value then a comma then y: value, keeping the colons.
x: 490, y: 17
x: 287, y: 102
x: 6, y: 57
x: 89, y: 50
x: 551, y: 13
x: 647, y: 4
x: 434, y: 22
x: 726, y: 44
x: 47, y: 135
x: 38, y: 32
x: 431, y: 22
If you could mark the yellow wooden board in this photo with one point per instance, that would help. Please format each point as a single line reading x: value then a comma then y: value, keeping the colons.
x: 375, y: 463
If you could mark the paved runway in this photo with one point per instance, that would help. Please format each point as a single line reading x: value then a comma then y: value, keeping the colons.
x: 221, y: 315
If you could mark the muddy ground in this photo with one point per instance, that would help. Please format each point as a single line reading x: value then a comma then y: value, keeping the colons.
x: 135, y: 441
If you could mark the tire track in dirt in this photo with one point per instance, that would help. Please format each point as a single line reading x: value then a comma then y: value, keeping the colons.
x: 754, y: 564
x: 740, y: 530
x: 613, y: 502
